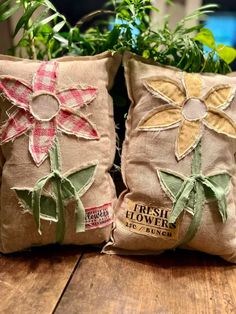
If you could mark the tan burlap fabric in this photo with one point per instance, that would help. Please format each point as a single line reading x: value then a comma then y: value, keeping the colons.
x: 145, y: 151
x: 17, y: 229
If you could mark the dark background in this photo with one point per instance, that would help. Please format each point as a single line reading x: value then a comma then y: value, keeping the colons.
x: 74, y: 9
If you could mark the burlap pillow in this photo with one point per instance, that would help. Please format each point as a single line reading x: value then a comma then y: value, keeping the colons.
x: 58, y: 144
x: 178, y: 163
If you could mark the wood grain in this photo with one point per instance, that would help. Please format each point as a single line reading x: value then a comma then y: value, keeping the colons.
x: 176, y: 282
x: 32, y: 282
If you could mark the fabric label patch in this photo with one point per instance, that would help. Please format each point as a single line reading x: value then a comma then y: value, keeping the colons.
x: 98, y: 217
x: 150, y: 220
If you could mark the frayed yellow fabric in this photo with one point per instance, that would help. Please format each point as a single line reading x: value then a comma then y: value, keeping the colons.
x: 169, y: 90
x: 193, y: 85
x: 219, y: 97
x: 220, y: 122
x: 163, y: 117
x: 189, y: 135
x: 190, y: 131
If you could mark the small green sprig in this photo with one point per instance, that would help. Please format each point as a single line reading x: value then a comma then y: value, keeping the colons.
x: 46, y: 34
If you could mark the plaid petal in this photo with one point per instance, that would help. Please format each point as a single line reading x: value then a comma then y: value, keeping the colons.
x: 77, y: 97
x: 45, y: 77
x: 18, y: 92
x: 17, y: 124
x: 41, y: 140
x: 71, y: 123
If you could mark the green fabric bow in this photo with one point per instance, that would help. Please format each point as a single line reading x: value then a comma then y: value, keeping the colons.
x: 47, y: 206
x: 190, y: 193
x: 62, y: 187
x: 189, y: 186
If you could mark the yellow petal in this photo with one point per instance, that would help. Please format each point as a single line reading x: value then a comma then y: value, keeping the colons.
x: 220, y: 96
x: 189, y: 135
x: 193, y: 85
x: 220, y: 122
x: 166, y: 89
x: 164, y: 117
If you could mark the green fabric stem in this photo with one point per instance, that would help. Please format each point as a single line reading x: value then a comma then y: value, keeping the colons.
x: 55, y: 157
x: 60, y: 226
x: 197, y: 162
x: 70, y: 190
x: 197, y: 217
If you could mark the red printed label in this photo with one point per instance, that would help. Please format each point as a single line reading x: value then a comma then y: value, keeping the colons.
x: 98, y: 217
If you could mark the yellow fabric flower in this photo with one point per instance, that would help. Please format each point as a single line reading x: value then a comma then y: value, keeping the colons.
x: 188, y: 110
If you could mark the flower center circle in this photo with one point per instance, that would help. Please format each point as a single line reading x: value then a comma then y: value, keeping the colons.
x: 194, y: 109
x: 44, y: 106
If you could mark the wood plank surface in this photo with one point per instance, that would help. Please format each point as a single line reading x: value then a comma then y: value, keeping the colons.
x: 32, y: 282
x: 172, y: 283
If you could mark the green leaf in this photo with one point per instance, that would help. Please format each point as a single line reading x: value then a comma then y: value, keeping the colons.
x: 4, y: 5
x: 47, y: 203
x: 146, y: 54
x: 226, y: 53
x: 222, y: 180
x: 48, y: 19
x: 59, y: 26
x: 206, y: 37
x: 48, y: 209
x: 61, y: 39
x: 113, y: 37
x: 82, y: 179
x: 26, y: 17
x: 50, y: 5
x: 4, y: 16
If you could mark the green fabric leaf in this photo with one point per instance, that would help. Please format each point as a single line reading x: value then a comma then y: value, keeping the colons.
x: 25, y: 196
x: 172, y: 184
x: 36, y: 197
x: 48, y: 208
x: 82, y: 179
x: 222, y: 180
x: 47, y: 204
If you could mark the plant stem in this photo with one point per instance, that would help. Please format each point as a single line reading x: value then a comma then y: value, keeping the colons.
x: 92, y: 15
x: 32, y: 50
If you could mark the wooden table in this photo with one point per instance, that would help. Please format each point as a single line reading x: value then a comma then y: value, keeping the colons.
x: 74, y: 280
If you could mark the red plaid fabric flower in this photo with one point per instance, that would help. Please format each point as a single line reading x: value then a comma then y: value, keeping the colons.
x: 43, y: 110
